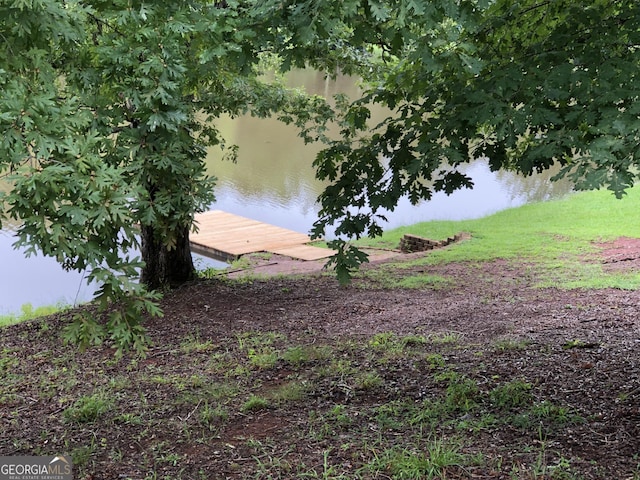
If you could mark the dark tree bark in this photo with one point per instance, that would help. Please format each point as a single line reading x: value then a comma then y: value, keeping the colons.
x: 166, y: 267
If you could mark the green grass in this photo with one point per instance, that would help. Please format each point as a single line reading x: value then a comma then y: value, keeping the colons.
x: 88, y: 409
x: 391, y: 275
x: 255, y: 403
x: 554, y: 237
x: 513, y: 394
x: 27, y: 312
x: 429, y: 461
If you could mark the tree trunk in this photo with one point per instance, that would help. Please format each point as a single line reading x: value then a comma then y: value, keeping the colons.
x: 164, y: 267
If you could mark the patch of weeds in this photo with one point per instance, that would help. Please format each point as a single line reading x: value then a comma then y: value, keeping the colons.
x: 327, y: 472
x: 288, y: 392
x: 61, y: 379
x: 43, y: 328
x: 162, y: 379
x: 388, y: 344
x: 119, y: 383
x: 557, y: 414
x: 560, y: 469
x: 216, y: 391
x: 384, y: 341
x: 395, y: 275
x: 195, y: 381
x: 577, y: 343
x: 446, y: 376
x: 319, y: 429
x: 172, y: 459
x: 461, y: 394
x: 341, y: 367
x: 209, y: 273
x: 545, y: 412
x: 241, y: 263
x: 116, y: 455
x: 435, y: 360
x: 88, y: 409
x: 193, y: 344
x: 413, y: 340
x: 421, y: 281
x: 484, y: 422
x: 262, y: 358
x: 430, y: 413
x: 128, y: 419
x: 543, y: 467
x: 296, y: 355
x: 445, y: 338
x: 270, y: 461
x: 212, y: 415
x: 221, y: 362
x: 255, y: 403
x: 636, y: 472
x: 239, y: 371
x: 8, y: 362
x: 514, y: 394
x: 393, y: 415
x: 219, y: 391
x: 340, y: 416
x: 431, y: 461
x: 80, y: 456
x: 262, y: 255
x: 368, y: 381
x: 510, y: 344
x: 299, y: 355
x: 179, y: 382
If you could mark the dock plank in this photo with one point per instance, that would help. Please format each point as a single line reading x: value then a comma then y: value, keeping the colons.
x: 227, y: 236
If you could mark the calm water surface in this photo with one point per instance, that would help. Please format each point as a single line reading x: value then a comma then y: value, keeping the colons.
x: 273, y: 181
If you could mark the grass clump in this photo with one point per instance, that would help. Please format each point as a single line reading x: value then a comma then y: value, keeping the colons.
x: 511, y: 344
x: 514, y: 394
x: 431, y: 461
x: 263, y: 358
x: 302, y: 354
x: 254, y: 404
x: 288, y: 392
x: 212, y: 415
x: 88, y: 409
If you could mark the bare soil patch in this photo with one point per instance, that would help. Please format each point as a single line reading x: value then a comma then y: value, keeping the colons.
x: 621, y: 254
x: 368, y: 365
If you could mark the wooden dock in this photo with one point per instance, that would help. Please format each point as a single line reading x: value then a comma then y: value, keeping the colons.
x: 226, y: 237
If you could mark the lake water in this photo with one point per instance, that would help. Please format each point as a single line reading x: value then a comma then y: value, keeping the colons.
x: 273, y: 181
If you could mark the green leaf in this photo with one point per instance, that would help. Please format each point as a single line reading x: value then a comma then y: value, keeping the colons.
x: 379, y: 10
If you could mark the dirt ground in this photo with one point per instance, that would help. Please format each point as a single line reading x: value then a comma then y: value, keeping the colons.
x: 576, y: 348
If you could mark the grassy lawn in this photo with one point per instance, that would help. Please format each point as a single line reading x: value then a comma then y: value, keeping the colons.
x: 27, y: 312
x: 555, y: 237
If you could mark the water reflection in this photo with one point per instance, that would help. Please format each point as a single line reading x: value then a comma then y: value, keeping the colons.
x: 37, y: 280
x: 274, y: 181
x: 493, y: 191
